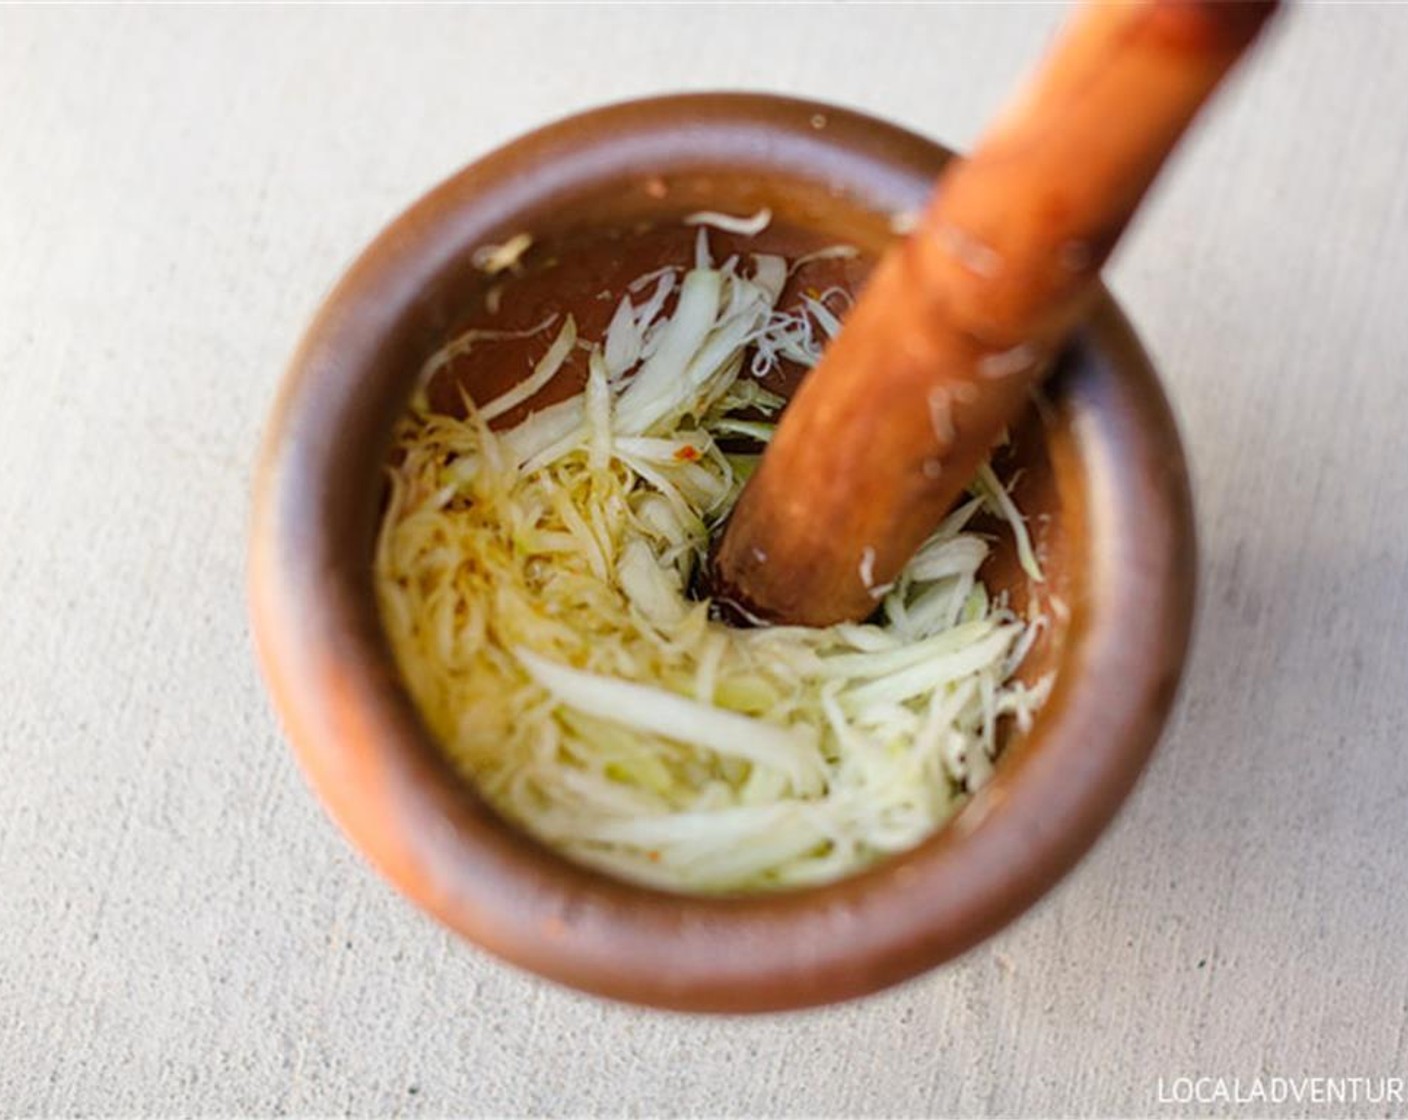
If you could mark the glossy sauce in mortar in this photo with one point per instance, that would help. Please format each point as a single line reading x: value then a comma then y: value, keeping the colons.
x: 586, y: 276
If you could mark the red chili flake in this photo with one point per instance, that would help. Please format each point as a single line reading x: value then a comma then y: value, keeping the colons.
x: 688, y: 454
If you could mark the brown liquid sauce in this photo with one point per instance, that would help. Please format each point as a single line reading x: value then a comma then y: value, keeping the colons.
x: 586, y: 275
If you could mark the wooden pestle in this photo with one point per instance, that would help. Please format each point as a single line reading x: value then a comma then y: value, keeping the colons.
x: 960, y: 320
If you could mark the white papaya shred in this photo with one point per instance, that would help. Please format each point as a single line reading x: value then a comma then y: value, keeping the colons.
x: 534, y: 585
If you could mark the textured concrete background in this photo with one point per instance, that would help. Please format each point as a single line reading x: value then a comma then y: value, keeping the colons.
x: 182, y: 931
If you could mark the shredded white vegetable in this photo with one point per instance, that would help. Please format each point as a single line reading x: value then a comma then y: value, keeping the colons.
x: 494, y: 259
x: 746, y: 227
x: 534, y: 586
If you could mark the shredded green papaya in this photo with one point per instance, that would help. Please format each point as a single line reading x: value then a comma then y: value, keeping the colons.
x: 533, y: 583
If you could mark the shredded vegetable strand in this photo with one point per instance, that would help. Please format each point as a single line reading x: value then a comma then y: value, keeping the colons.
x: 533, y: 585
